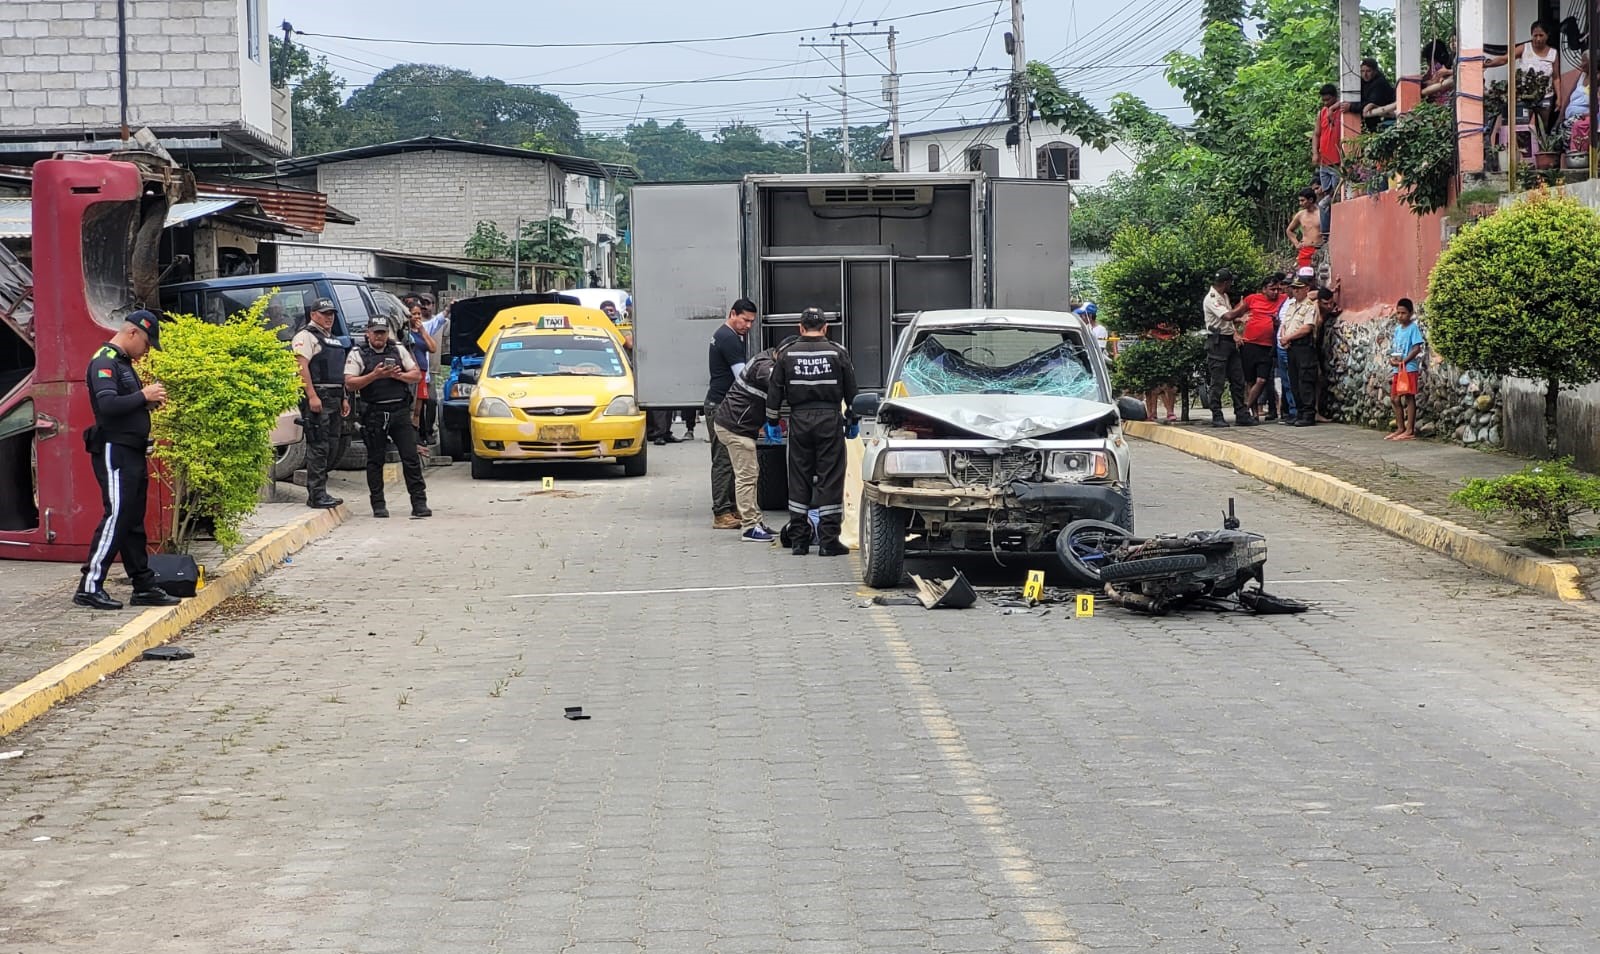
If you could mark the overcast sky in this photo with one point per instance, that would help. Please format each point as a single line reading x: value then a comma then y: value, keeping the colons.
x: 1105, y: 47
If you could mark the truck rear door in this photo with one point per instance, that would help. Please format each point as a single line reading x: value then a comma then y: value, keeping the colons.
x: 1029, y: 247
x: 688, y: 267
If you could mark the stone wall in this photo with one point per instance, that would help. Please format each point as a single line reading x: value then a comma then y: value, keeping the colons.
x: 429, y: 202
x: 1454, y: 404
x: 186, y: 65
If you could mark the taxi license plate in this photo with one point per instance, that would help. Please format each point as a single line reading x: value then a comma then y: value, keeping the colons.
x: 558, y: 434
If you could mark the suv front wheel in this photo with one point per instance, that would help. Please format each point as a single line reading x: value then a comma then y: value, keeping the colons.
x: 883, y: 545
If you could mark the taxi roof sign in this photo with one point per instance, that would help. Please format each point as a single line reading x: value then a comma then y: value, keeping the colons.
x: 524, y: 319
x: 554, y: 323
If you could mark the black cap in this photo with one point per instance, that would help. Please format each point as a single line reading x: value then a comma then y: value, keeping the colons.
x: 324, y: 305
x: 1224, y: 275
x: 147, y: 322
x: 813, y: 318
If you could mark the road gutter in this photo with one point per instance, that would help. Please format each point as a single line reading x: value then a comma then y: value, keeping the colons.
x: 1474, y: 548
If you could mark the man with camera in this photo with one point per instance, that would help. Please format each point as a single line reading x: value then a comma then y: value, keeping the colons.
x: 385, y: 373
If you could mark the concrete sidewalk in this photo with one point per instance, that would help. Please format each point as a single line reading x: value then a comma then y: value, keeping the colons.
x: 1400, y: 486
x: 41, y: 629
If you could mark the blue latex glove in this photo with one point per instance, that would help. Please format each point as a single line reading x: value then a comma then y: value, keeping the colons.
x: 774, y: 434
x: 852, y: 430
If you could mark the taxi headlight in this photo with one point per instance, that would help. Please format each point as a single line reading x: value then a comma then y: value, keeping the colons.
x: 914, y: 463
x: 624, y: 406
x: 462, y: 389
x: 1077, y: 465
x: 492, y: 407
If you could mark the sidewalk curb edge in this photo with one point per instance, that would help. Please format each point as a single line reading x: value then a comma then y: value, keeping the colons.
x: 1478, y: 550
x: 21, y: 704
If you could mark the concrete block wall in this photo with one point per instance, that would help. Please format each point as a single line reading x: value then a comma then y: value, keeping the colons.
x: 294, y: 257
x: 184, y: 63
x: 430, y: 202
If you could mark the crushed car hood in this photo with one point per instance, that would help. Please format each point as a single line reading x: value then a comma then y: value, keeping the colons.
x: 1006, y: 417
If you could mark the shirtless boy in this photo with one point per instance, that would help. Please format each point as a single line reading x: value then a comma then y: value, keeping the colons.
x: 1305, y: 229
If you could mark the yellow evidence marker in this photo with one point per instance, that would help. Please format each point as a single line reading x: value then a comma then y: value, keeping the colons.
x: 549, y: 483
x: 1033, y: 590
x: 1085, y: 606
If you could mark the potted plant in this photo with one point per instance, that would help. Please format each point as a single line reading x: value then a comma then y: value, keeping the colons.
x: 1549, y: 144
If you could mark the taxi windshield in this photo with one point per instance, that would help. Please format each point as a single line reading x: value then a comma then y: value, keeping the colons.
x: 556, y: 355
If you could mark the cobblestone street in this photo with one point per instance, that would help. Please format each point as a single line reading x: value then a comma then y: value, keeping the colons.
x: 374, y: 759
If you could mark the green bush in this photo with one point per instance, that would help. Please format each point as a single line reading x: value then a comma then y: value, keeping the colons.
x: 1144, y: 365
x: 226, y: 386
x: 1421, y: 148
x: 1543, y: 497
x: 1160, y: 277
x: 1517, y: 293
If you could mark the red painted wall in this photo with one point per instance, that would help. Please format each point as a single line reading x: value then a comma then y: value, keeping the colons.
x: 1381, y: 251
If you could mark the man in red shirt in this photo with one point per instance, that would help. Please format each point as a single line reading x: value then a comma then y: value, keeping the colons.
x: 1329, y: 150
x: 1259, y: 351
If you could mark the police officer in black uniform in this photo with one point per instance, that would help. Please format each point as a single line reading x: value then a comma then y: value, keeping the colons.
x: 815, y: 377
x: 323, y: 407
x: 385, y: 373
x: 117, y: 444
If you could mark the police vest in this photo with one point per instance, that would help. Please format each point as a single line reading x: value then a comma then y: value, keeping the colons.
x: 327, y: 368
x: 383, y: 390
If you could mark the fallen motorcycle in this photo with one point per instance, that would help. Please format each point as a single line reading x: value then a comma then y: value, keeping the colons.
x: 1157, y: 574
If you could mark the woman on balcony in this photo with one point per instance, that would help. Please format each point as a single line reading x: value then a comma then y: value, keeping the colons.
x: 1537, y: 56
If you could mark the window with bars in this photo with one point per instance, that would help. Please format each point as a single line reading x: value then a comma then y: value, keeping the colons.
x: 1059, y: 160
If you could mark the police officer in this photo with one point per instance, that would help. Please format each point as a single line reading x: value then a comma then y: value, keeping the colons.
x: 815, y: 376
x: 117, y: 444
x: 324, y: 406
x: 384, y: 373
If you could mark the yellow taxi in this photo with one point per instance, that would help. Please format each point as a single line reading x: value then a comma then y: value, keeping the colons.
x: 556, y: 384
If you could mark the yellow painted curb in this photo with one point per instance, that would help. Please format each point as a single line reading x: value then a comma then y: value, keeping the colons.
x: 1475, y: 549
x: 24, y: 703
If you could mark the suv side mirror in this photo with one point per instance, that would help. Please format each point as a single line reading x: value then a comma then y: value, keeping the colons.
x: 865, y: 406
x: 1131, y: 409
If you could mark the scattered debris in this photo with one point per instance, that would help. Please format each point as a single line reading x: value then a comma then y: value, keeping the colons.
x: 13, y: 754
x: 954, y: 593
x: 166, y: 654
x: 575, y: 713
x: 245, y: 606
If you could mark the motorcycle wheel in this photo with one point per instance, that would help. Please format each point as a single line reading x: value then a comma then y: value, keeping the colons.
x: 1085, y: 546
x: 1152, y: 568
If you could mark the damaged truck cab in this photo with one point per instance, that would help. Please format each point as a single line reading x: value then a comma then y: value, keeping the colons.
x: 995, y: 431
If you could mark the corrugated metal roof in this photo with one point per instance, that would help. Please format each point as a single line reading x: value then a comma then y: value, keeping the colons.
x: 16, y: 215
x: 306, y: 211
x: 574, y: 164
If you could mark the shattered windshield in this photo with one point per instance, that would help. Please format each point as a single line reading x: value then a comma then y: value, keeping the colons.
x: 999, y: 361
x: 547, y: 356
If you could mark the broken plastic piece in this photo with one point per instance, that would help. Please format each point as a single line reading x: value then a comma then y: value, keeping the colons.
x: 167, y: 654
x: 575, y: 713
x: 13, y: 754
x: 954, y: 593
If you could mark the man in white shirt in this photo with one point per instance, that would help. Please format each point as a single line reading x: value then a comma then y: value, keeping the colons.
x: 1222, y: 351
x: 1090, y: 314
x: 1297, y: 337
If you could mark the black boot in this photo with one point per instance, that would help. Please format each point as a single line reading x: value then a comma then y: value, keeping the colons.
x: 323, y: 501
x: 99, y: 599
x: 154, y: 596
x: 834, y: 548
x: 379, y: 509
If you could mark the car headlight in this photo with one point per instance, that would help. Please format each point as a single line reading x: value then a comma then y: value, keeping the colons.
x: 462, y: 389
x: 492, y: 407
x: 914, y: 463
x: 624, y: 406
x: 1077, y: 465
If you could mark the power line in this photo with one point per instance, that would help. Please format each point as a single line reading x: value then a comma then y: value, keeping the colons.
x: 983, y: 46
x: 635, y: 43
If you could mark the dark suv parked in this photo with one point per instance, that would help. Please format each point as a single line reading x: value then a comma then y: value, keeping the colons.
x: 216, y: 298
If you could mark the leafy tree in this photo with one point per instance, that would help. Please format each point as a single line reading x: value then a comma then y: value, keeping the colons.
x: 227, y: 384
x: 321, y: 123
x: 1067, y: 110
x: 1421, y: 148
x: 421, y: 99
x: 1517, y: 294
x: 543, y: 243
x: 1159, y: 276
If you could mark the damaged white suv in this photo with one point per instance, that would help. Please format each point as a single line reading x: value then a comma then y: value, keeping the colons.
x: 997, y: 430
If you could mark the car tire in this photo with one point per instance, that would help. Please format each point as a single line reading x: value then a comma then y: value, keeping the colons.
x: 772, y: 477
x: 1125, y: 519
x: 1152, y: 568
x: 482, y: 468
x: 353, y: 455
x: 1081, y: 573
x: 453, y: 444
x: 637, y: 465
x: 288, y: 458
x: 883, y: 545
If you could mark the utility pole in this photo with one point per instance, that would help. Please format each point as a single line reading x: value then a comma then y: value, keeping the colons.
x: 844, y: 94
x: 1019, y: 88
x: 891, y: 86
x: 807, y: 114
x: 894, y: 106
